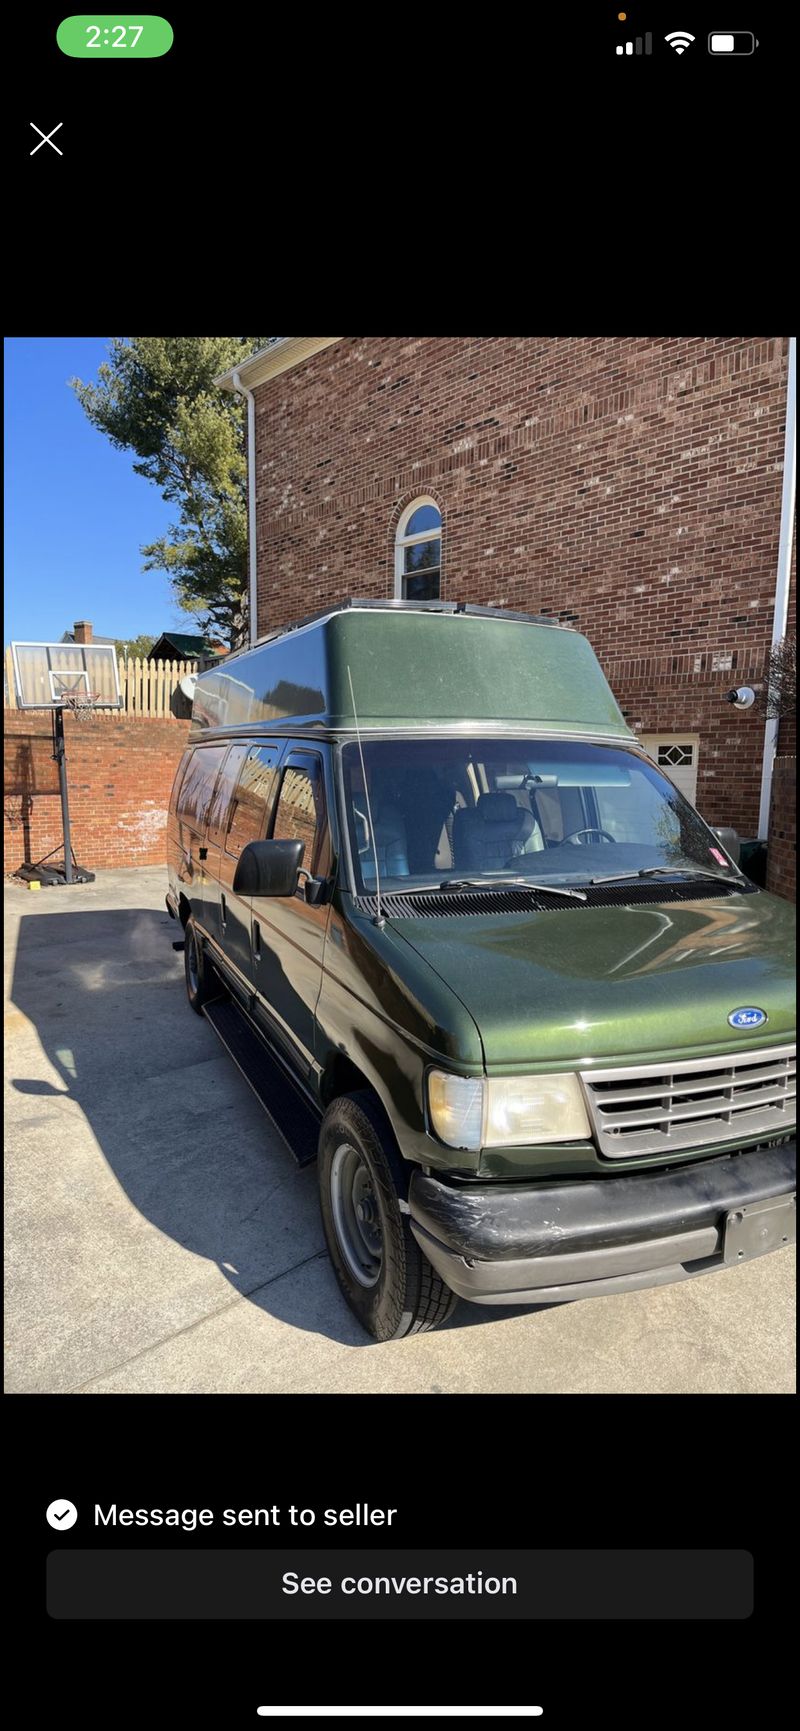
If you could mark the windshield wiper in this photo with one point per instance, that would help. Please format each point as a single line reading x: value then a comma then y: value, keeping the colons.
x: 671, y: 872
x: 506, y: 883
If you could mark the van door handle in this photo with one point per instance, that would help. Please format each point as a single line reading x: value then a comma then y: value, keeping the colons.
x: 223, y: 909
x: 256, y: 940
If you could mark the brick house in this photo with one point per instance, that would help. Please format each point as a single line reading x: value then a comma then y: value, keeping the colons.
x: 632, y: 487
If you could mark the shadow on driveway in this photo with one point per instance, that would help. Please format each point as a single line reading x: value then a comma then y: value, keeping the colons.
x: 175, y: 1121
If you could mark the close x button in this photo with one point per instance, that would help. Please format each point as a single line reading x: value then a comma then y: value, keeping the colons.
x: 47, y: 138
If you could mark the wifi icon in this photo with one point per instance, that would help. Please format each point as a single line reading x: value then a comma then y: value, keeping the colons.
x: 679, y: 40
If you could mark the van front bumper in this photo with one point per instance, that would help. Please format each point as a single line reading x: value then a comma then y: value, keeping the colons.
x: 548, y: 1243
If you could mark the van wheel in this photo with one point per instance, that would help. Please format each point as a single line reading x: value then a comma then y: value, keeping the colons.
x: 388, y: 1283
x: 199, y: 987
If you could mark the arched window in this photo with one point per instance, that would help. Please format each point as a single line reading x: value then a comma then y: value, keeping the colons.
x: 418, y: 552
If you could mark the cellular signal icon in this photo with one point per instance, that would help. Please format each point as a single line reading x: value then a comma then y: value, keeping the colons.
x: 628, y: 47
x: 679, y: 40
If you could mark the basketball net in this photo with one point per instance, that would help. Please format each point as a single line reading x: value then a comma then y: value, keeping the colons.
x: 82, y: 704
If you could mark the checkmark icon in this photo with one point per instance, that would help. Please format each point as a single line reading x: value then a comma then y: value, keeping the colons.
x: 62, y: 1514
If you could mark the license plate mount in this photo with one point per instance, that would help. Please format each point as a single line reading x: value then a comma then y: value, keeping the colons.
x: 758, y: 1227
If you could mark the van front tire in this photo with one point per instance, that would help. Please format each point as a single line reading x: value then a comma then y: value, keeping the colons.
x: 387, y: 1281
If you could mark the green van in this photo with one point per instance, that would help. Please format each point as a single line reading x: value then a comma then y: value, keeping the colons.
x: 477, y: 955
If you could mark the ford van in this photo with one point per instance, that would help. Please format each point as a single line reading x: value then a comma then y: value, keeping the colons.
x: 481, y: 959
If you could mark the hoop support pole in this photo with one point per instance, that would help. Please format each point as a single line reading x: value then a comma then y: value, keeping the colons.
x: 60, y: 755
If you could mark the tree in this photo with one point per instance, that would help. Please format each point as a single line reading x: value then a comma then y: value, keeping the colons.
x: 779, y: 694
x: 136, y: 647
x: 155, y: 396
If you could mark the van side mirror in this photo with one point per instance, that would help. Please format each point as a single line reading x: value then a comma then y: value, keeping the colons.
x: 268, y: 868
x: 731, y: 840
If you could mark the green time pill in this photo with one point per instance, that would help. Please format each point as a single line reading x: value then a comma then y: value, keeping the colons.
x: 106, y: 36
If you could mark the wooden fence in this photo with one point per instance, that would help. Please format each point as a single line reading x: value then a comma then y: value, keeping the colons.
x: 150, y: 687
x: 147, y: 687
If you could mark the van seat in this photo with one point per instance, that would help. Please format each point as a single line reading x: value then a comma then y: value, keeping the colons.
x: 391, y: 844
x: 496, y: 830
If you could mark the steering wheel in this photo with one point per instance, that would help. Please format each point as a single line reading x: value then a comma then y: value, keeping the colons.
x: 603, y: 834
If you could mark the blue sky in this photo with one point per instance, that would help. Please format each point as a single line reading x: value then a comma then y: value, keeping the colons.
x: 76, y: 515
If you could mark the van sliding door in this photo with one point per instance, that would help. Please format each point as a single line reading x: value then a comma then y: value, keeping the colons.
x: 248, y: 820
x: 193, y: 804
x: 288, y: 934
x: 216, y: 829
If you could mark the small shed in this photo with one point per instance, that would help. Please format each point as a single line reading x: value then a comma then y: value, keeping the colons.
x: 183, y: 646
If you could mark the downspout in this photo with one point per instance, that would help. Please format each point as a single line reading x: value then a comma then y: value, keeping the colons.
x: 252, y: 584
x: 781, y: 613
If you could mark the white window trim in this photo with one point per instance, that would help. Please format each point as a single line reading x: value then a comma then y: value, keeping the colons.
x: 402, y: 540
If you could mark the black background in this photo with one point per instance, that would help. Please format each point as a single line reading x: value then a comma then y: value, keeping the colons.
x: 483, y: 166
x: 463, y: 1471
x: 285, y: 103
x: 404, y: 157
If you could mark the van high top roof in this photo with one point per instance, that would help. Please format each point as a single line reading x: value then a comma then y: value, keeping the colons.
x: 413, y: 664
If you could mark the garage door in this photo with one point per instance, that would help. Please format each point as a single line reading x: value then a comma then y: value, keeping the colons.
x: 676, y: 754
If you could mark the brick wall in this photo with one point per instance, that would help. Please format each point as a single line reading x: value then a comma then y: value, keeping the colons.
x: 685, y: 697
x: 630, y: 486
x: 782, y: 853
x: 120, y: 774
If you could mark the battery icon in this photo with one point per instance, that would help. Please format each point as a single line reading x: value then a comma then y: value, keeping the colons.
x: 731, y: 42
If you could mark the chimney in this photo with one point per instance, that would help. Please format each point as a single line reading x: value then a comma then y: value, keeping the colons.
x: 83, y: 631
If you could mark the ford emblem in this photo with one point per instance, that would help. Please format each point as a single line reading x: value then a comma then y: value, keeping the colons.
x: 747, y: 1018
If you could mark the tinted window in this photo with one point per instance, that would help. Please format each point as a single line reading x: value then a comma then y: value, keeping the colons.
x: 252, y: 802
x: 197, y: 786
x: 175, y: 800
x: 301, y: 814
x: 220, y: 808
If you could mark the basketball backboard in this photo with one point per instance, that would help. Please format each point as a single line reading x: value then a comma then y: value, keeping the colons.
x: 48, y: 674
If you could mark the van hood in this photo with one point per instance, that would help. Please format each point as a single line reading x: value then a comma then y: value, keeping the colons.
x: 579, y: 985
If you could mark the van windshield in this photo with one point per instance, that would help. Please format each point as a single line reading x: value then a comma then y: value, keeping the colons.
x: 554, y: 811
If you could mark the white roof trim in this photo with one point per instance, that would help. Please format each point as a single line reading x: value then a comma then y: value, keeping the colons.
x: 268, y: 363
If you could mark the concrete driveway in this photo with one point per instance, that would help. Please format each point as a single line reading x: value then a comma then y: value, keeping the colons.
x: 161, y: 1239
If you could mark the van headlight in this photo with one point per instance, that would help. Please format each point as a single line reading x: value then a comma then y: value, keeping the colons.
x: 506, y: 1111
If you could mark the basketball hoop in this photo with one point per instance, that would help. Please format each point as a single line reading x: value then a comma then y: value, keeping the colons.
x: 82, y: 704
x: 84, y: 679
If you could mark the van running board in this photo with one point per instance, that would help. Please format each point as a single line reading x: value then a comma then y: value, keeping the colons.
x: 293, y: 1119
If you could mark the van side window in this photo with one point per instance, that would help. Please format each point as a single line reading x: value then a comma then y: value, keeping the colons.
x: 220, y: 809
x: 301, y: 816
x: 252, y: 801
x: 197, y: 786
x: 179, y: 778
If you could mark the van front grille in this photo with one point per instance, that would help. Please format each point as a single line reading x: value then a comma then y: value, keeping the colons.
x: 643, y: 1110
